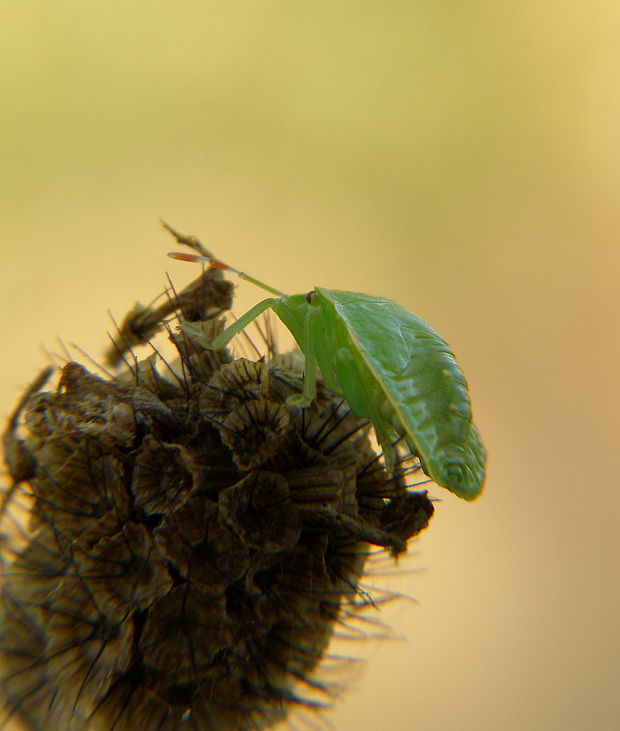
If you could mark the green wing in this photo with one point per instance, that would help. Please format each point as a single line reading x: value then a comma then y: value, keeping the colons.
x: 411, y: 370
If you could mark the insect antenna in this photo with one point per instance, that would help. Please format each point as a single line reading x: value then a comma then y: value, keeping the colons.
x: 206, y: 257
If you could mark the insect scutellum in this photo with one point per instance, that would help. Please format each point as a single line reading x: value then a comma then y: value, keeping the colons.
x: 391, y: 366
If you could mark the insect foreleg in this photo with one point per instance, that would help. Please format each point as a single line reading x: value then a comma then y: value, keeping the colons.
x: 304, y: 399
x: 222, y: 340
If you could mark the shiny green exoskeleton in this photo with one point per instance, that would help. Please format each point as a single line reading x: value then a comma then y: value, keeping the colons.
x: 389, y: 364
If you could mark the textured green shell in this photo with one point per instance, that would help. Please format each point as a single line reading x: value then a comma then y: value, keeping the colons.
x: 394, y: 369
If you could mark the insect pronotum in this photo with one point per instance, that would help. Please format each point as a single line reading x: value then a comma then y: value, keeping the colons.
x: 389, y: 364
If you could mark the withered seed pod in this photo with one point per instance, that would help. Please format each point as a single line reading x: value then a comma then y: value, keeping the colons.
x: 192, y: 539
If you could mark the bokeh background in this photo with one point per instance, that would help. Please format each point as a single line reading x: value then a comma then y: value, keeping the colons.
x: 462, y: 158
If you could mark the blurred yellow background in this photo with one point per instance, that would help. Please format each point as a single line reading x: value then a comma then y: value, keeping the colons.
x: 461, y: 158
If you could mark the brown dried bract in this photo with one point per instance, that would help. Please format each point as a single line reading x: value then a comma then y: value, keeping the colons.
x: 205, y: 298
x: 192, y: 538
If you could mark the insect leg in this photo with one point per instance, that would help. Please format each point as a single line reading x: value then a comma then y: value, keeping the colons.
x: 222, y: 340
x: 310, y: 333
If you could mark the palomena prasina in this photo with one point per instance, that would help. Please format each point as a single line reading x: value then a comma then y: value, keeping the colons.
x: 389, y: 364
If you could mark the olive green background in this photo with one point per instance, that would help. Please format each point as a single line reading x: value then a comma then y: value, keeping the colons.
x: 461, y: 158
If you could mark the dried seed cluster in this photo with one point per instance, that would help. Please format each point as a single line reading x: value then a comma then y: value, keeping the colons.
x: 192, y: 539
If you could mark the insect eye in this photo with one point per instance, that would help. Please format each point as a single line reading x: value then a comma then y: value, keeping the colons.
x: 310, y: 296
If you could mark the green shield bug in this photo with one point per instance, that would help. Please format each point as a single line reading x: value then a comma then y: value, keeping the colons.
x: 389, y: 364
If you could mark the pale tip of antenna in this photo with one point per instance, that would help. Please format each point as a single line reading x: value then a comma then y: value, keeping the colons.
x: 187, y: 257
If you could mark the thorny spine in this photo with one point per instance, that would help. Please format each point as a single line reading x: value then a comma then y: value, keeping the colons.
x: 193, y: 542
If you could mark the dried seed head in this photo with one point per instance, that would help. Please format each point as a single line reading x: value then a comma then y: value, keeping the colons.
x: 192, y: 538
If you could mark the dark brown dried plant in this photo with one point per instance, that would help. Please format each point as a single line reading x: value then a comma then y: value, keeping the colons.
x: 192, y: 541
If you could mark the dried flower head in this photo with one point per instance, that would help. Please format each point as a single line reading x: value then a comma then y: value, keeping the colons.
x: 192, y: 540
